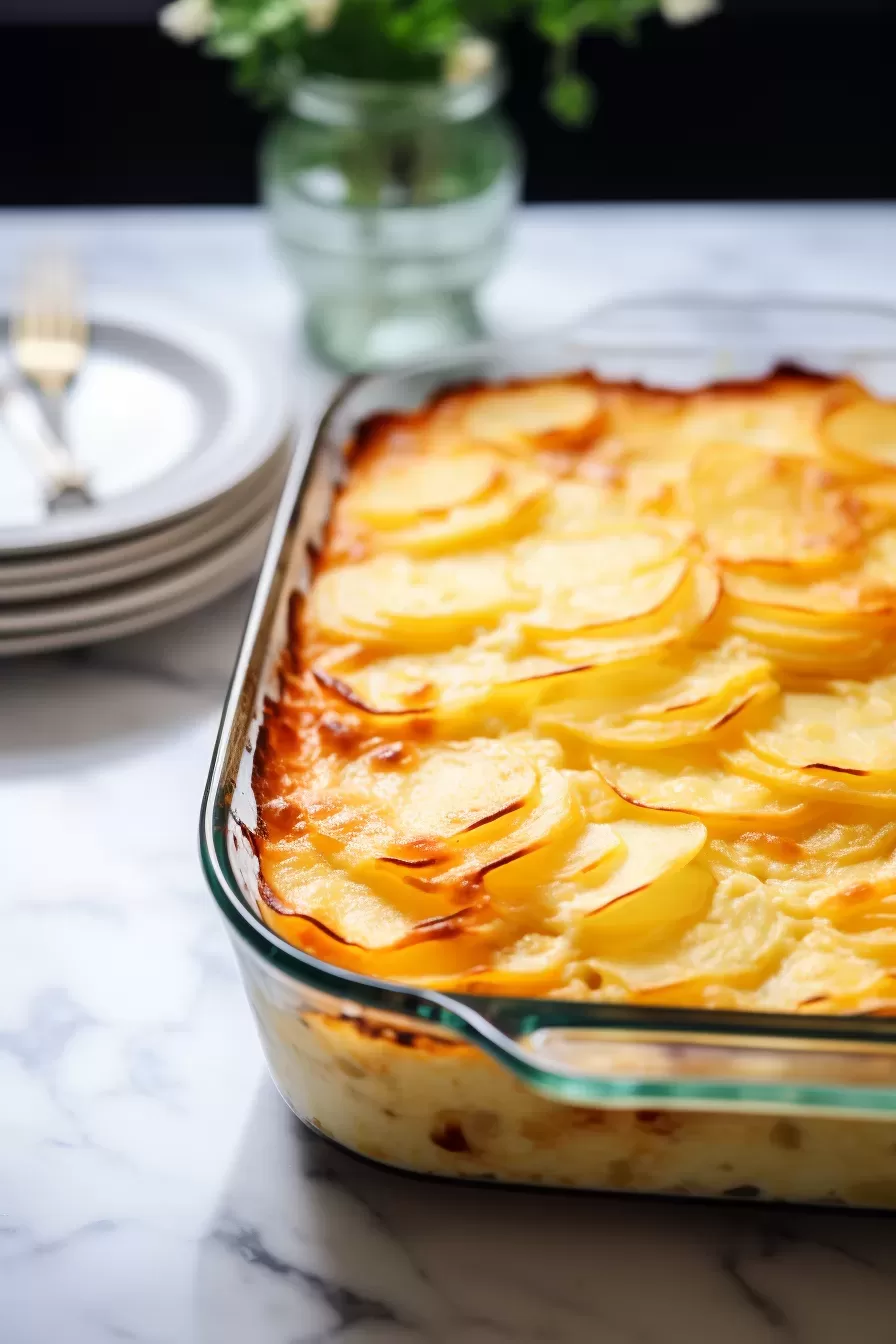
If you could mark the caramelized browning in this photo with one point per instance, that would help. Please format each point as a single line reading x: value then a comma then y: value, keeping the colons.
x: 592, y: 696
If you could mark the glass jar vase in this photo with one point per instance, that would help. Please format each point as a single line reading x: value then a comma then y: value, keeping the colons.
x: 390, y: 204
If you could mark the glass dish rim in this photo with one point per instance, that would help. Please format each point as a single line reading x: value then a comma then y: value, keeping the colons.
x: 497, y: 1024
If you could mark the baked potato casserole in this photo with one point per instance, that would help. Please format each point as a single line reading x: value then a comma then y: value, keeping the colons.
x: 592, y: 696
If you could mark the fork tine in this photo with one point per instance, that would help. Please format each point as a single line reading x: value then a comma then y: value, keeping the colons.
x: 50, y: 297
x: 50, y: 306
x: 49, y: 332
x: 33, y: 303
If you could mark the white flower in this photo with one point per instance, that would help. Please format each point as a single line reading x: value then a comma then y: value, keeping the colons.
x: 187, y: 20
x: 319, y: 14
x: 686, y: 11
x: 468, y: 59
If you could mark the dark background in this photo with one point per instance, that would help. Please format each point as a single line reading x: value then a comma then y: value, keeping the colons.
x: 768, y: 100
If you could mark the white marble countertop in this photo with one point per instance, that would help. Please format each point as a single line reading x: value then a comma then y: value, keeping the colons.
x: 153, y: 1187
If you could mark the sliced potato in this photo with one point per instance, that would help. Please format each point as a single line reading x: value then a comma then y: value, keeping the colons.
x: 781, y: 416
x: 434, y: 949
x: 651, y: 852
x: 611, y: 604
x: 607, y: 554
x: 822, y: 850
x: 671, y: 701
x: 624, y: 483
x: 315, y: 906
x: 758, y: 510
x: 581, y: 507
x: 472, y: 862
x: 856, y: 897
x: 863, y: 429
x: 575, y: 509
x: 392, y: 599
x: 551, y: 410
x: 876, y: 580
x: 306, y: 884
x: 536, y: 840
x: 855, y: 598
x: 616, y: 587
x: 532, y: 965
x: 700, y: 785
x: 592, y: 852
x: 788, y: 632
x: 438, y: 503
x: 501, y: 514
x: 691, y: 605
x: 645, y: 423
x: 653, y: 913
x: 629, y: 732
x: 425, y: 835
x: 739, y: 942
x: 860, y: 597
x: 815, y: 650
x: 848, y: 731
x: 410, y: 812
x: 834, y: 786
x: 459, y: 684
x: 822, y: 970
x: 877, y: 497
x: 399, y: 493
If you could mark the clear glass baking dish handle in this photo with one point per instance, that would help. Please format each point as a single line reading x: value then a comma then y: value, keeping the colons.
x: 635, y: 1057
x: 693, y: 339
x: 603, y: 1055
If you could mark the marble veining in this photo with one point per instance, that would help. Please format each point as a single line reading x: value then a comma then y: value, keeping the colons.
x: 153, y: 1187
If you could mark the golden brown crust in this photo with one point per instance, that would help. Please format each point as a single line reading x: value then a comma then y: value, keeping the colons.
x: 528, y: 741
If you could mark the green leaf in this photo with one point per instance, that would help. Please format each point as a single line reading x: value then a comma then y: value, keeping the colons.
x: 275, y: 15
x: 572, y: 99
x: 408, y: 40
x: 561, y: 21
x: 232, y: 45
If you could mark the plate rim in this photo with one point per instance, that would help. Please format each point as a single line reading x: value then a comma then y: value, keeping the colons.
x: 59, y: 640
x: 130, y: 598
x: 134, y: 552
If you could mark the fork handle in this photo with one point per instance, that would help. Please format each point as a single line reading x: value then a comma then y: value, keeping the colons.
x: 67, y: 476
x: 52, y: 409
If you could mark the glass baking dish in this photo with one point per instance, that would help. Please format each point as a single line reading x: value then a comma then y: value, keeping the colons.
x: 595, y: 1096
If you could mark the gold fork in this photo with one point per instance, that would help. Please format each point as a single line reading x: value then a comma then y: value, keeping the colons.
x: 48, y: 337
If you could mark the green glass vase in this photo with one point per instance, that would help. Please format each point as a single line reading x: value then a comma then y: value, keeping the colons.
x: 390, y: 205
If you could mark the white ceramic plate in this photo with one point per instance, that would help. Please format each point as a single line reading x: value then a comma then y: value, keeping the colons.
x: 168, y: 414
x: 235, y: 565
x: 66, y: 574
x: 226, y: 578
x: 129, y: 599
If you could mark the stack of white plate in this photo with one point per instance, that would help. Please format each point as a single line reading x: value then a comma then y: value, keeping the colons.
x: 184, y: 433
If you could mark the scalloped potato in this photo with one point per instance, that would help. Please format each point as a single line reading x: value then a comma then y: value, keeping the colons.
x: 592, y: 696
